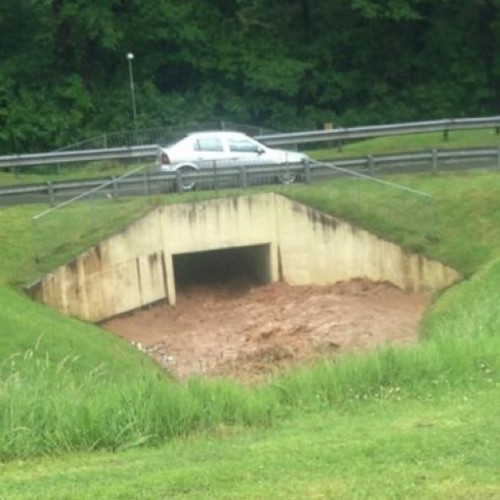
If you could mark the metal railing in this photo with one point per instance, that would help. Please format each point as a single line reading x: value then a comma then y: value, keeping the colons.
x: 342, y: 134
x: 338, y: 134
x: 242, y: 176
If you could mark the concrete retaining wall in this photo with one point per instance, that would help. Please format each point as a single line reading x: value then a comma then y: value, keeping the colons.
x: 301, y: 245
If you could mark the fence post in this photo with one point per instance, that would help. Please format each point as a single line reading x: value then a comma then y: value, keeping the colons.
x: 498, y: 157
x: 434, y: 160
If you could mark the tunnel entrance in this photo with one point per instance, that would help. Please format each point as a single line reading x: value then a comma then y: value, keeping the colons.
x: 248, y: 265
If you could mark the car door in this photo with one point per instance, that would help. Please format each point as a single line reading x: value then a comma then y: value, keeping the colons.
x: 207, y: 149
x: 244, y: 150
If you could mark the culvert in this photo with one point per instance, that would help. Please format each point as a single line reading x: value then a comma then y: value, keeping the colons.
x: 266, y: 235
x: 249, y: 265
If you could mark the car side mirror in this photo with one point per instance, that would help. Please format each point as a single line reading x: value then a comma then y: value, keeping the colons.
x: 260, y: 150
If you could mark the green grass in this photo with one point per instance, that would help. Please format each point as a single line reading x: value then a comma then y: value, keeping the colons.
x: 411, y: 142
x: 395, y: 423
x: 447, y: 448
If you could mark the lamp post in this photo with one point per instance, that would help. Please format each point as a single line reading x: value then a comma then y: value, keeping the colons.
x: 130, y: 56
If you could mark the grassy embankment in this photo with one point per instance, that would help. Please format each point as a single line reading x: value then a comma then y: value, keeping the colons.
x: 395, y: 422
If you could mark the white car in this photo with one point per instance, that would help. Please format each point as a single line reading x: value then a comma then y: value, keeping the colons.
x: 223, y: 149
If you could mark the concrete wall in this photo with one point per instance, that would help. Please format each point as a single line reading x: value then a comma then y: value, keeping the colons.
x: 318, y: 248
x: 135, y: 267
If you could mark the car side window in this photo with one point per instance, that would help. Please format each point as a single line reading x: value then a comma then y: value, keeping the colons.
x: 208, y: 144
x: 242, y: 145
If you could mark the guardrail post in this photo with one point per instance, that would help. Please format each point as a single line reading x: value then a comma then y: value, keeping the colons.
x: 307, y: 170
x: 147, y: 187
x: 434, y: 159
x: 50, y: 191
x: 178, y: 181
x: 215, y: 175
x: 243, y: 176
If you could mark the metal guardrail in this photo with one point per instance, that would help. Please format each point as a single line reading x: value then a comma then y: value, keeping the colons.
x: 135, y: 152
x: 134, y: 182
x: 341, y: 133
x: 338, y: 134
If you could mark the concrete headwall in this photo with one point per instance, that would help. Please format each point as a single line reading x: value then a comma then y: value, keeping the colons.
x: 135, y: 267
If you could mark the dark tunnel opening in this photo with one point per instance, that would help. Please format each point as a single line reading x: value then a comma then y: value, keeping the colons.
x: 240, y: 266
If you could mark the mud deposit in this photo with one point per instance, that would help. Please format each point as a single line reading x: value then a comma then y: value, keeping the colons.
x: 246, y: 331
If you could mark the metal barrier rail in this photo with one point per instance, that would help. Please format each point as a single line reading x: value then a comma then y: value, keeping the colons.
x: 341, y: 133
x: 338, y: 134
x: 135, y: 180
x: 134, y: 152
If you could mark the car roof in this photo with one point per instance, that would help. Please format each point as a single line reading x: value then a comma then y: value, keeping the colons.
x: 224, y: 133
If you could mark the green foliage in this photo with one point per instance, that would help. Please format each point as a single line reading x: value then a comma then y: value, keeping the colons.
x: 282, y: 66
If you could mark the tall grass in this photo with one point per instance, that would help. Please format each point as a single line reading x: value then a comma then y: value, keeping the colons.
x: 51, y: 407
x: 48, y: 408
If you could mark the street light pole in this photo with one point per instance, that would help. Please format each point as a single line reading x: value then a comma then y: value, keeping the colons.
x: 130, y: 56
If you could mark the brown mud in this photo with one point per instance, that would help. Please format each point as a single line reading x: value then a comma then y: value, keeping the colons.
x: 246, y: 331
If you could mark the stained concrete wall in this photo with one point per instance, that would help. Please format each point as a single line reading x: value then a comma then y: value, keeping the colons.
x: 318, y: 248
x: 135, y: 267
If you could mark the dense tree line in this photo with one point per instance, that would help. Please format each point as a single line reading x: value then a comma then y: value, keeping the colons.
x: 283, y: 65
